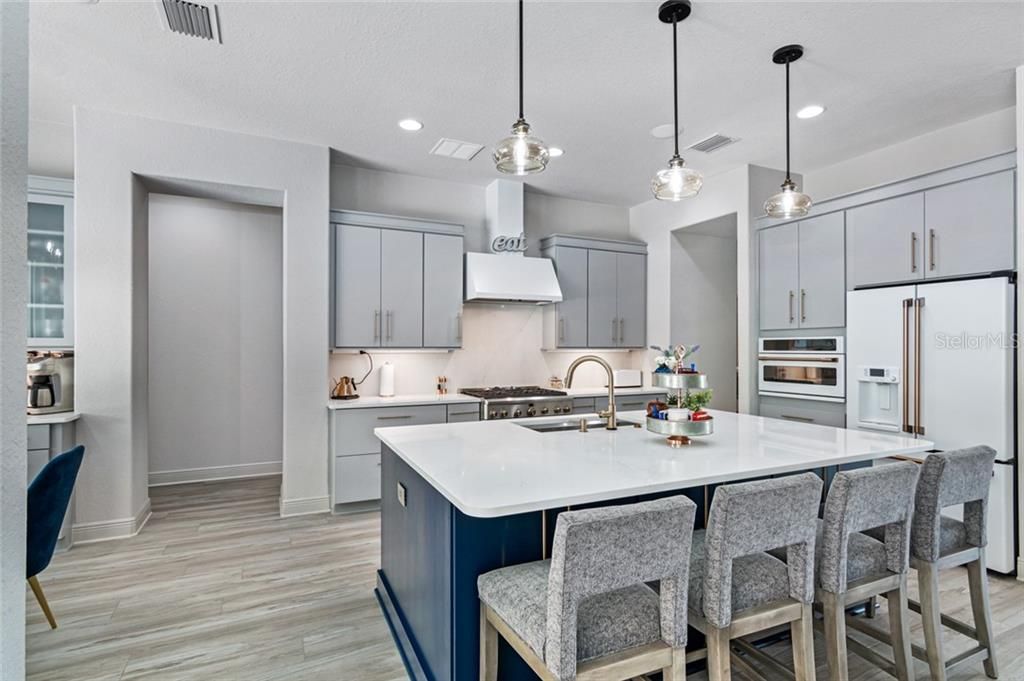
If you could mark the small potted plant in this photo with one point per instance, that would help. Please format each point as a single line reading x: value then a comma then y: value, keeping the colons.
x: 695, y: 401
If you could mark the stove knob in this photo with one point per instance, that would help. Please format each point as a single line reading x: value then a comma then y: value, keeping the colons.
x: 544, y: 410
x: 517, y: 413
x: 557, y: 410
x: 531, y: 411
x: 492, y: 414
x: 504, y: 413
x: 567, y: 409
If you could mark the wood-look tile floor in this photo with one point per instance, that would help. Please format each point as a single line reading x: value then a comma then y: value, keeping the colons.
x: 218, y: 587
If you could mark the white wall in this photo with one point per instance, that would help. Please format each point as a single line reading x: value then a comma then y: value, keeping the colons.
x: 112, y: 152
x: 1019, y: 128
x: 13, y: 297
x: 970, y: 140
x: 703, y: 277
x: 215, y: 341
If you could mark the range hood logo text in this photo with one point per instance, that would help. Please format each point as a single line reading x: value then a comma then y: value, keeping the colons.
x: 509, y: 244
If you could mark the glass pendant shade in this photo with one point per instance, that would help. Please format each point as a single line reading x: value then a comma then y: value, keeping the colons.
x: 676, y: 182
x: 521, y: 153
x: 789, y: 203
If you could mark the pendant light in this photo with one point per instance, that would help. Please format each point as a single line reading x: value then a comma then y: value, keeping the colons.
x: 521, y: 153
x: 676, y: 182
x: 789, y: 203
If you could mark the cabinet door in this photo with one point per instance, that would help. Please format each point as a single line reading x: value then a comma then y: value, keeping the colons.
x: 356, y: 478
x: 357, y: 314
x: 50, y: 303
x: 571, y: 268
x: 442, y: 291
x: 778, y: 277
x: 822, y: 266
x: 602, y: 301
x: 970, y: 226
x: 631, y: 304
x: 401, y: 288
x: 885, y: 241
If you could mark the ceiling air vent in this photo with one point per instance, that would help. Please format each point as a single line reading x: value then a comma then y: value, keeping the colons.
x: 463, y: 151
x: 712, y: 143
x: 190, y: 18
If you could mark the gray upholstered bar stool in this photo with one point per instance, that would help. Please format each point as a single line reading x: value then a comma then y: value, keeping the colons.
x: 852, y: 566
x: 736, y: 588
x: 938, y: 542
x: 588, y: 613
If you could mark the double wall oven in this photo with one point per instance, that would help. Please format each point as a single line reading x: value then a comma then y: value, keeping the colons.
x: 811, y: 368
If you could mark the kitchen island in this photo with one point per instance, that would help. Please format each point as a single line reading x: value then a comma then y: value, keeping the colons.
x: 462, y: 499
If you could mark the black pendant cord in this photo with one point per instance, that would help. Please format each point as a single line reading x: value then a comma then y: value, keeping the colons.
x: 675, y: 87
x: 787, y: 121
x: 520, y: 59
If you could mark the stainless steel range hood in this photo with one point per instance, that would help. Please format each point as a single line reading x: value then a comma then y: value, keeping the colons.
x: 508, y: 275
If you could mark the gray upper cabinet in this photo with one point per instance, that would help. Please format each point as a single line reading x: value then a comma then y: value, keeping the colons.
x: 778, y: 276
x: 602, y: 301
x: 604, y: 293
x: 442, y: 291
x: 357, y: 287
x: 397, y: 282
x: 822, y: 298
x: 969, y: 226
x: 571, y: 269
x: 631, y: 300
x: 885, y: 241
x: 401, y: 288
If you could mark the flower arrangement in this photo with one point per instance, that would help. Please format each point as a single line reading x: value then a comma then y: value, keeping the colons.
x: 672, y: 358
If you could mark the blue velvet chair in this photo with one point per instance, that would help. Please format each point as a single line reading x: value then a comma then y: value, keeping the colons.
x: 48, y: 498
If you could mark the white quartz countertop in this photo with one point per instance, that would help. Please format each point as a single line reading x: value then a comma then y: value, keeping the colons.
x: 365, y: 401
x: 497, y: 468
x: 50, y: 419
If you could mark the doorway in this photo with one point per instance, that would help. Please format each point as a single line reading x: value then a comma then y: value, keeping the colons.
x: 703, y: 302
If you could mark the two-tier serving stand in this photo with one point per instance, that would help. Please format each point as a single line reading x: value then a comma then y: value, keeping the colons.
x: 680, y: 432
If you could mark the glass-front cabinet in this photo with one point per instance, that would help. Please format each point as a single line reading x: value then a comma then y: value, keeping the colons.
x: 50, y: 269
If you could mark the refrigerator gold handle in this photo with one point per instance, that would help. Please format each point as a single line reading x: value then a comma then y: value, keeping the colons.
x: 905, y: 379
x: 918, y: 306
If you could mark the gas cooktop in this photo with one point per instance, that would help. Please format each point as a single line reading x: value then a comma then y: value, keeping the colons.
x: 520, y: 401
x: 512, y: 391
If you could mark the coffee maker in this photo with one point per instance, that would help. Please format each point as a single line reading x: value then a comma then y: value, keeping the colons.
x: 50, y: 382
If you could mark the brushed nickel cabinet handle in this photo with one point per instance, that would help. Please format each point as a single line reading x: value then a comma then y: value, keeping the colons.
x: 801, y: 419
x: 931, y: 249
x: 790, y: 307
x: 561, y: 328
x: 458, y: 321
x: 394, y: 418
x: 622, y: 330
x: 376, y: 325
x: 475, y: 412
x: 390, y: 313
x: 615, y: 331
x: 803, y: 305
x: 913, y: 251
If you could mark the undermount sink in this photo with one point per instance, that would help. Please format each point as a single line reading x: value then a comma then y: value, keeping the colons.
x: 575, y: 424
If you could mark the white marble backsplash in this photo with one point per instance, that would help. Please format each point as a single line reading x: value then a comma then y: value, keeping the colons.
x: 501, y: 346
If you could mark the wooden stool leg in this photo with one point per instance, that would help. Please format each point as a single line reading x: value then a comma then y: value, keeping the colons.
x: 718, y: 654
x: 899, y: 631
x: 488, y: 648
x: 870, y: 607
x: 676, y: 672
x: 977, y: 578
x: 835, y: 636
x: 37, y: 589
x: 931, y: 614
x: 802, y: 633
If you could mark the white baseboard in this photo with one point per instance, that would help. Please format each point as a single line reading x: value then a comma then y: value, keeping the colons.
x: 105, y: 530
x: 209, y: 473
x: 305, y: 506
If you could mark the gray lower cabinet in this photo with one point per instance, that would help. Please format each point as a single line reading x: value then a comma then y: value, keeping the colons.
x: 46, y: 441
x: 822, y: 298
x: 572, y: 271
x: 397, y: 282
x: 586, y: 405
x: 356, y: 478
x: 635, y: 402
x: 970, y: 226
x: 778, y: 276
x: 602, y: 299
x: 442, y: 291
x: 461, y: 413
x: 803, y: 411
x: 885, y: 241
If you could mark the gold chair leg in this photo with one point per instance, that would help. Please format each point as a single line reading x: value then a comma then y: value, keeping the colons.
x: 488, y: 647
x: 899, y: 631
x: 977, y: 579
x: 37, y: 589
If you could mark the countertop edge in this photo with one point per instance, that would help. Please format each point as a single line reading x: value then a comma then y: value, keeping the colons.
x: 55, y: 418
x: 374, y: 401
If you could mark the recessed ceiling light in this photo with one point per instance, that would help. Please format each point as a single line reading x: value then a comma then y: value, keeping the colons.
x: 664, y: 131
x: 810, y: 111
x: 410, y: 124
x: 555, y: 152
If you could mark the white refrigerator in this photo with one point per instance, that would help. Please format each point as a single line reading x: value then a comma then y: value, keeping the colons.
x: 936, y: 360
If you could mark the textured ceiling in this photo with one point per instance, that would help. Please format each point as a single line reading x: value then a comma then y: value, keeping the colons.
x: 598, y: 78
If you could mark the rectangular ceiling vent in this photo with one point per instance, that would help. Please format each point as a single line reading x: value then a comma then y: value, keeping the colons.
x: 457, y: 149
x: 190, y: 18
x: 712, y: 143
